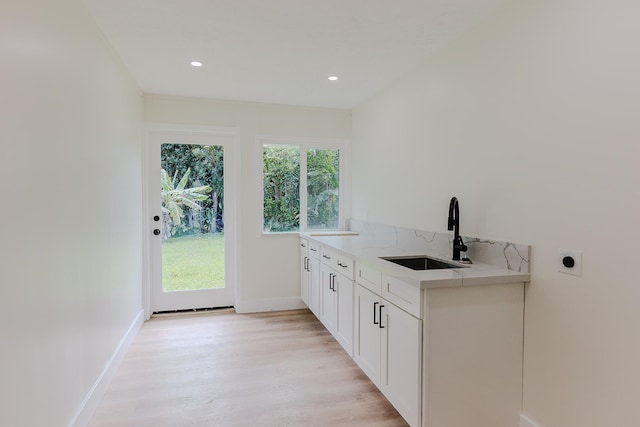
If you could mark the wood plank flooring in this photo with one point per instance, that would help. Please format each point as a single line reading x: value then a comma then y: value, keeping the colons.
x: 224, y: 369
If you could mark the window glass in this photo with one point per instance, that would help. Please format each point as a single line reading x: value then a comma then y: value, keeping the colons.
x: 323, y: 172
x: 301, y: 187
x: 281, y: 182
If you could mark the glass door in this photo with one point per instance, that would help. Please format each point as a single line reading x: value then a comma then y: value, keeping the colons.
x: 190, y: 226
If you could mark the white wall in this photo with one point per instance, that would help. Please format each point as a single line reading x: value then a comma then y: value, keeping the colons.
x: 70, y: 209
x: 267, y: 278
x: 533, y: 121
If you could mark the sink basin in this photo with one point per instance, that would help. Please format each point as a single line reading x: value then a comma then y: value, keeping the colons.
x: 420, y: 263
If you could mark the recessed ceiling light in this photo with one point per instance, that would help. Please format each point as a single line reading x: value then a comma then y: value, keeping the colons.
x: 333, y: 78
x: 196, y: 63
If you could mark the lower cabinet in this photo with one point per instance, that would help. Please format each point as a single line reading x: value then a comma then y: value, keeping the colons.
x: 336, y: 312
x: 329, y: 296
x: 304, y: 271
x: 310, y: 275
x: 388, y: 348
x: 401, y: 357
x: 443, y: 356
x: 367, y: 335
x: 314, y: 285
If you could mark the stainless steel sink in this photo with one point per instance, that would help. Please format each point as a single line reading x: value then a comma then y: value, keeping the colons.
x: 421, y: 263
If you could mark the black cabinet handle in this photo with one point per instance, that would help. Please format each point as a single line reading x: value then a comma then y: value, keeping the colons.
x: 342, y: 265
x: 380, y: 315
x: 156, y: 218
x: 303, y: 245
x: 331, y: 281
x: 306, y: 263
x: 313, y: 249
x: 156, y: 231
x: 335, y: 276
x: 375, y: 322
x: 326, y: 256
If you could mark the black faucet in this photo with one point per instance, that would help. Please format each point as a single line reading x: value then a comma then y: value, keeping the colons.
x: 454, y: 224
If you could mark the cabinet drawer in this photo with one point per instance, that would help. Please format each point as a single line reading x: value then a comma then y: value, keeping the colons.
x: 314, y: 249
x: 344, y: 265
x: 369, y: 278
x: 340, y: 263
x: 327, y: 256
x: 403, y: 295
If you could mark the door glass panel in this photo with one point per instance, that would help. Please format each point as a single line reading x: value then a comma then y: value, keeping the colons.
x: 323, y: 176
x: 192, y: 185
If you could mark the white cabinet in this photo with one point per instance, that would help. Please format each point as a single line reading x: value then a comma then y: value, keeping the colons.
x: 366, y: 340
x: 388, y: 348
x: 472, y: 355
x: 304, y: 270
x: 344, y: 311
x: 314, y: 286
x: 336, y: 308
x: 329, y: 298
x: 401, y: 358
x: 443, y: 356
x: 310, y: 275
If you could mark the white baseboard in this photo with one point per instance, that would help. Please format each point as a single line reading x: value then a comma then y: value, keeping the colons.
x: 526, y: 422
x: 95, y: 394
x: 269, y: 304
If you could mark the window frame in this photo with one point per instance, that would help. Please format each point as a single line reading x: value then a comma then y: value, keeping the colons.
x: 304, y: 144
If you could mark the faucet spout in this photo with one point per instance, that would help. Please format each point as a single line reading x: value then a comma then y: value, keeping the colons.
x: 454, y: 225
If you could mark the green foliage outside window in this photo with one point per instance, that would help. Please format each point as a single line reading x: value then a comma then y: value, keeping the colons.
x: 281, y: 182
x: 322, y: 188
x: 281, y: 178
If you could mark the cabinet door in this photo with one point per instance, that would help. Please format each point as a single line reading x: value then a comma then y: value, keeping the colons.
x: 329, y: 298
x: 366, y: 343
x: 344, y: 311
x: 314, y: 286
x: 401, y: 376
x: 304, y: 271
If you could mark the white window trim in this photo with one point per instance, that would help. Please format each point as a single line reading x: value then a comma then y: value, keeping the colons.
x: 304, y: 144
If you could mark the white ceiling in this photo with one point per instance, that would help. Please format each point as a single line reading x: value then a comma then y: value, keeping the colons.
x: 280, y: 51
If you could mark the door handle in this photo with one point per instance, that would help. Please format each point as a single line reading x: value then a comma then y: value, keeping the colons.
x: 375, y: 322
x: 156, y: 231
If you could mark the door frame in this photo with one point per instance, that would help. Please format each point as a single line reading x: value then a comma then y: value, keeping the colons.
x: 231, y: 204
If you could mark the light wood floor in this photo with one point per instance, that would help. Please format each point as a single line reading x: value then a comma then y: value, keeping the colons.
x: 225, y: 369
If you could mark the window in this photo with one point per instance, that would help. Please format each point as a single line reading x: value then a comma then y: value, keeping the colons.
x: 281, y: 177
x: 323, y: 188
x: 301, y: 186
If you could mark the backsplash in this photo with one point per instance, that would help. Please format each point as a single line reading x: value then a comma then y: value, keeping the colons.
x: 512, y: 256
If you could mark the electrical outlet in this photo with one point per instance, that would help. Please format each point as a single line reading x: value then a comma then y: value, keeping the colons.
x: 570, y: 261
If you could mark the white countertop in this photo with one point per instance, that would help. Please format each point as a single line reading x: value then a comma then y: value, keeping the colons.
x: 368, y: 252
